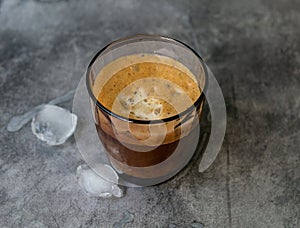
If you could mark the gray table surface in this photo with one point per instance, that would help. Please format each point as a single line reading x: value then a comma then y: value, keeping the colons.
x: 253, y: 47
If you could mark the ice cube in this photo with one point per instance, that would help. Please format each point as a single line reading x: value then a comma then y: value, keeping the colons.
x: 53, y: 124
x: 148, y: 108
x: 131, y: 96
x: 17, y: 122
x: 95, y: 185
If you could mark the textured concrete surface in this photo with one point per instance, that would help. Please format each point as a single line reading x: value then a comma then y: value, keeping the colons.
x: 253, y: 47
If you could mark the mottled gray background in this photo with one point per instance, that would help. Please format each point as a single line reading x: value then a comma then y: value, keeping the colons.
x: 253, y: 47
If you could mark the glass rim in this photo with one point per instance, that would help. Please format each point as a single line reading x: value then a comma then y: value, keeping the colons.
x: 141, y: 37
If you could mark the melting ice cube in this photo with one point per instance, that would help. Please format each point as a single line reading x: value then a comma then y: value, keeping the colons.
x: 129, y: 97
x: 148, y: 108
x: 17, y: 122
x: 53, y: 124
x: 94, y: 185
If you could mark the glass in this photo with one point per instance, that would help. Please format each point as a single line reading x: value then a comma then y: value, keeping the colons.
x: 146, y: 151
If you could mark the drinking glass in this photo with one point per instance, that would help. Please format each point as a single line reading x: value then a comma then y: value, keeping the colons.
x: 145, y: 151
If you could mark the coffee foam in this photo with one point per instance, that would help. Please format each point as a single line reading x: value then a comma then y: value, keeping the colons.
x: 118, y: 64
x: 149, y: 90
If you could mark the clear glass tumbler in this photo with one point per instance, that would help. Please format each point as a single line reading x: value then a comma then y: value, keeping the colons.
x: 146, y: 151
